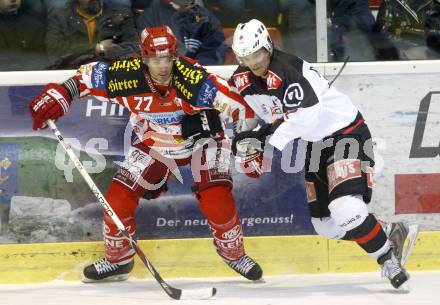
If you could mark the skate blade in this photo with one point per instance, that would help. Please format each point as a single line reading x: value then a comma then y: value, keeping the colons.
x: 110, y: 279
x: 411, y: 238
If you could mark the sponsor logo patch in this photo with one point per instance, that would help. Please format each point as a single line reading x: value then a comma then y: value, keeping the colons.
x: 133, y: 167
x: 180, y: 86
x: 242, y: 80
x: 165, y: 117
x: 273, y: 80
x: 341, y: 171
x: 190, y: 74
x: 126, y: 65
x: 117, y: 85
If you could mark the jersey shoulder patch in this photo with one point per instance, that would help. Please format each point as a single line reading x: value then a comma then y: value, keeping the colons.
x: 126, y: 65
x: 207, y: 94
x: 189, y: 80
x: 126, y: 77
x: 99, y: 75
x: 273, y: 80
x: 242, y: 80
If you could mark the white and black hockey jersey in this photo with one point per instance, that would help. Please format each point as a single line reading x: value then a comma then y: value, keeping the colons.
x: 294, y: 91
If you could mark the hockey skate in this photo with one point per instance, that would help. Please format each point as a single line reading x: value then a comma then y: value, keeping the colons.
x: 247, y: 267
x: 104, y: 271
x: 399, y: 233
x: 392, y: 269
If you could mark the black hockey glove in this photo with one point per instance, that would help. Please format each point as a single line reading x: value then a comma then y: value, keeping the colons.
x: 249, y: 142
x: 205, y: 124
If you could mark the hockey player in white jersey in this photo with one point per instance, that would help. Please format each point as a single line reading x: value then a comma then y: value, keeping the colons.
x: 296, y: 102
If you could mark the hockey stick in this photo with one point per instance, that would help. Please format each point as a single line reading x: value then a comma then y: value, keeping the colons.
x: 175, y: 293
x: 411, y: 238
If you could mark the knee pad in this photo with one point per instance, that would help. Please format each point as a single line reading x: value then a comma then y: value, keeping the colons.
x: 348, y: 212
x: 327, y: 227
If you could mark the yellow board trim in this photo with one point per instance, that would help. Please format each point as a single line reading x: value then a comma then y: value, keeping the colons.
x: 173, y: 258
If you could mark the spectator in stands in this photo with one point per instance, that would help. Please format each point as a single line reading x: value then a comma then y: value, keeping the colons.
x: 140, y: 4
x: 299, y: 28
x: 21, y: 37
x: 199, y: 32
x: 54, y: 5
x: 341, y: 13
x: 413, y: 25
x: 86, y: 30
x: 232, y: 12
x: 431, y: 26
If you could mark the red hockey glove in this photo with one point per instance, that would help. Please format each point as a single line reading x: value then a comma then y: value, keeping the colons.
x: 252, y: 165
x: 52, y: 103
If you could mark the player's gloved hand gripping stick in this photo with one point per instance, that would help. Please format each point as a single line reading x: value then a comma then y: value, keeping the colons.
x: 175, y: 293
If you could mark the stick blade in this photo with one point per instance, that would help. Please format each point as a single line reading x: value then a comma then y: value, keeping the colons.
x: 411, y: 240
x: 198, y: 294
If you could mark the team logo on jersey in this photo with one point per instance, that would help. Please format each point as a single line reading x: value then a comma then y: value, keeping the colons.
x: 273, y: 80
x: 293, y: 95
x: 207, y: 93
x: 99, y: 75
x: 242, y: 80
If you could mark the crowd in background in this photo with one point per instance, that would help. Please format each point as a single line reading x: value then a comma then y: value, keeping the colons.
x: 63, y: 34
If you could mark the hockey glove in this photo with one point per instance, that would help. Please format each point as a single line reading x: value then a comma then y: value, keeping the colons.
x: 52, y: 103
x: 205, y: 124
x: 252, y: 165
x: 247, y: 143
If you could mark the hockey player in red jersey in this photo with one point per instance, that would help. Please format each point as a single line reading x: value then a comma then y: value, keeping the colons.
x: 296, y: 102
x: 173, y: 103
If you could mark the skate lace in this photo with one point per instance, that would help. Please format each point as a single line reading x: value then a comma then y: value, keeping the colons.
x: 104, y: 265
x: 243, y: 265
x: 391, y: 267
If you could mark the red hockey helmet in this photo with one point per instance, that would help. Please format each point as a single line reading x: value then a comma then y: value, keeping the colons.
x: 158, y: 42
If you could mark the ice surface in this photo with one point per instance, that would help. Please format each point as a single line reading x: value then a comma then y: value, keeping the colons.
x: 325, y: 289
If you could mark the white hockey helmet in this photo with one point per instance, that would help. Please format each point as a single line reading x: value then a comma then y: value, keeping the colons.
x: 249, y: 37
